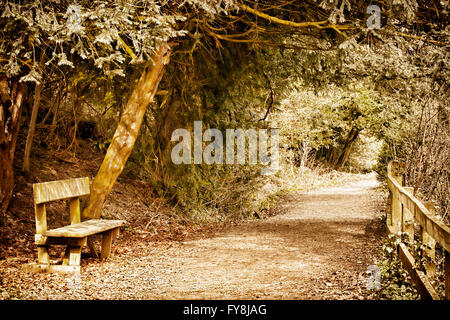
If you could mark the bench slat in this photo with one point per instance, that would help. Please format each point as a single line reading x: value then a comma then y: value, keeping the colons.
x: 61, y: 189
x: 84, y: 229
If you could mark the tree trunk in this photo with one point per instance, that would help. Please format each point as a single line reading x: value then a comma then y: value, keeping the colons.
x: 10, y: 113
x: 331, y: 155
x: 34, y: 112
x: 351, y: 138
x: 126, y: 133
x: 30, y: 135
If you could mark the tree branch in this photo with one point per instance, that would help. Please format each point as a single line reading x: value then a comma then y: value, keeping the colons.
x: 271, y: 97
x: 317, y: 24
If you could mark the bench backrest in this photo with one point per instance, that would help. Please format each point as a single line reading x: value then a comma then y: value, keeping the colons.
x: 70, y: 189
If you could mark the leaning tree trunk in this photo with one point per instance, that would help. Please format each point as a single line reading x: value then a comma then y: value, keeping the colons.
x: 10, y: 113
x: 351, y: 138
x: 126, y: 133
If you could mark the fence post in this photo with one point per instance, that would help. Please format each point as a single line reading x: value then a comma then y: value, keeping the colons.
x: 400, y: 201
x: 408, y: 217
x: 389, y: 220
x: 429, y: 242
x: 396, y: 203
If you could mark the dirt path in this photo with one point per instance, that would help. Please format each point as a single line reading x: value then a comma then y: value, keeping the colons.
x: 319, y: 248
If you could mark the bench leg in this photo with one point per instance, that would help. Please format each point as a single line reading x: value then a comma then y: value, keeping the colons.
x: 72, y: 255
x: 43, y: 257
x: 106, y: 244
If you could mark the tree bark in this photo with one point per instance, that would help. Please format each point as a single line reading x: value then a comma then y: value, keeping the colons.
x: 126, y: 133
x: 34, y: 112
x: 10, y: 113
x: 349, y: 141
x: 30, y: 135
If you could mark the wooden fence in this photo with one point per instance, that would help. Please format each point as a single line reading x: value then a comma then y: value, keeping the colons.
x: 404, y: 212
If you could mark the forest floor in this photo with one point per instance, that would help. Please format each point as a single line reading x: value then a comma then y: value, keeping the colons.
x: 318, y: 246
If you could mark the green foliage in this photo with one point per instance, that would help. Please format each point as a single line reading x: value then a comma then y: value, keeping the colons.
x: 365, y: 153
x: 108, y: 35
x: 395, y: 281
x: 102, y: 145
x: 217, y: 192
x: 201, y: 87
x: 327, y: 118
x: 315, y: 84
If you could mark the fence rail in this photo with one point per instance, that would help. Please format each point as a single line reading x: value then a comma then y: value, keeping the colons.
x: 403, y: 213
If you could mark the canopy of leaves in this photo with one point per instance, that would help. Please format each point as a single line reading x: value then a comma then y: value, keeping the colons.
x: 311, y: 66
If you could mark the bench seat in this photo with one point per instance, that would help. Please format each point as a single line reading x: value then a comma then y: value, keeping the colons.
x: 84, y: 229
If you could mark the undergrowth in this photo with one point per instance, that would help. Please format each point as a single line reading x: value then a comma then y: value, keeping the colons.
x: 396, y: 282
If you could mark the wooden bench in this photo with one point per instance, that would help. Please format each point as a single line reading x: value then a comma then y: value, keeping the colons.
x: 73, y: 236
